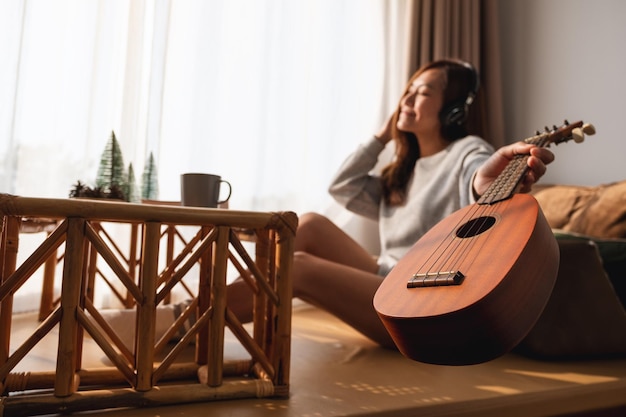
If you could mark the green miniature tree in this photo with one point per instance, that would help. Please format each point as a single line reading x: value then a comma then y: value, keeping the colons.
x: 149, y: 181
x: 111, y: 172
x: 112, y: 181
x: 130, y: 187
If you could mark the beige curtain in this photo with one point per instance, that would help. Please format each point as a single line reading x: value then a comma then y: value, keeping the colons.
x: 467, y: 30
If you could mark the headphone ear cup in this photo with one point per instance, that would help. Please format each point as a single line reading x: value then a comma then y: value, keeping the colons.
x: 454, y: 115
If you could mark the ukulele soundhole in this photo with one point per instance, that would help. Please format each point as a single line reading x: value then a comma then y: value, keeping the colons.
x: 476, y: 226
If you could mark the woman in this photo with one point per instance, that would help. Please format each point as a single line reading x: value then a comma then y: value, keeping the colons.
x: 437, y: 169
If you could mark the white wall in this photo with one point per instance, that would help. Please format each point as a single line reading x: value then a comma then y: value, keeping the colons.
x: 566, y: 59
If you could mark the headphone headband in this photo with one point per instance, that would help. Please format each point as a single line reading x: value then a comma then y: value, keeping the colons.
x: 471, y: 95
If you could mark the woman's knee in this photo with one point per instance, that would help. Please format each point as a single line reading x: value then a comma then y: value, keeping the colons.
x: 310, y: 220
x: 302, y: 263
x: 310, y: 227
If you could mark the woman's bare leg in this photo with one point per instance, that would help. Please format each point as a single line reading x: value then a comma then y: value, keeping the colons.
x: 318, y: 236
x: 331, y: 271
x: 343, y: 291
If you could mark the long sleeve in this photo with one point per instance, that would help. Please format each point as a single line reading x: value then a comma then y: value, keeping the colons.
x: 354, y: 186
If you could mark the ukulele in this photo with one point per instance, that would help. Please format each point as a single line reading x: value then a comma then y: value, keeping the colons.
x: 473, y: 286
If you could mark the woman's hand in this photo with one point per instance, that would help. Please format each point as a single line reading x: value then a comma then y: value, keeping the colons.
x: 384, y: 135
x: 489, y: 171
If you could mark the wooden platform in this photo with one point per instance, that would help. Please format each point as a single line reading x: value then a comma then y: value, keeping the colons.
x: 337, y: 372
x: 300, y: 362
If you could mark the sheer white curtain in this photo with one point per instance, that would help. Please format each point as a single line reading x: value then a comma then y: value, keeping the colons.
x: 270, y: 94
x: 62, y: 91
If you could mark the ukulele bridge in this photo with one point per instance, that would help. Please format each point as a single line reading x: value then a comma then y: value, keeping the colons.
x: 436, y: 279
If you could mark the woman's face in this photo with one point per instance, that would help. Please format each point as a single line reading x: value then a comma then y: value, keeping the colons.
x: 421, y: 104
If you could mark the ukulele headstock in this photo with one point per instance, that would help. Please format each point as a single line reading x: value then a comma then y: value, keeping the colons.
x: 568, y: 131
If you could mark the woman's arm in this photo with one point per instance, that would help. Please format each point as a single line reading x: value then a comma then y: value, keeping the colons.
x: 354, y: 187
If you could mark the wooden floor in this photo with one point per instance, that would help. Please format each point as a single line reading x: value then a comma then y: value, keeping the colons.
x: 336, y: 372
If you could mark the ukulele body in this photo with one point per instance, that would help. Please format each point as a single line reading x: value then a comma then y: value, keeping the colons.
x: 508, y: 269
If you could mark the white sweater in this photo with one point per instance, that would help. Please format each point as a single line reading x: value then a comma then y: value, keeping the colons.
x: 440, y: 185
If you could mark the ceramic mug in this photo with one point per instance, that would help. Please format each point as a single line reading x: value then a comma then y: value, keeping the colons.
x: 202, y: 190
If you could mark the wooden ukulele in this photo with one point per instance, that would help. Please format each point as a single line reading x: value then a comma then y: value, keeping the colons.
x: 474, y: 285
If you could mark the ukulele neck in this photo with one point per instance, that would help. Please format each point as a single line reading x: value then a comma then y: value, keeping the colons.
x: 509, y: 180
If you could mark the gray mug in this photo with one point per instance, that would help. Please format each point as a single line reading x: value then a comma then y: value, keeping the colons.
x: 202, y: 190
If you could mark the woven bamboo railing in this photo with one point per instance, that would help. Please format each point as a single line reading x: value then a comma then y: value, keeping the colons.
x: 137, y: 379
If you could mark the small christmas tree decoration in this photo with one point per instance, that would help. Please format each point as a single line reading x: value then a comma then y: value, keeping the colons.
x: 130, y: 186
x: 149, y: 180
x: 115, y: 182
x: 111, y: 170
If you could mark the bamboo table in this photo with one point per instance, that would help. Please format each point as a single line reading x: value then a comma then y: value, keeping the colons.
x: 136, y: 377
x: 42, y: 225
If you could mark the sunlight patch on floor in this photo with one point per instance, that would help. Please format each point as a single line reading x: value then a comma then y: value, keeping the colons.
x: 499, y: 389
x: 573, y: 377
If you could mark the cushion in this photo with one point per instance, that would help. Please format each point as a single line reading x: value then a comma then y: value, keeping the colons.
x: 595, y: 211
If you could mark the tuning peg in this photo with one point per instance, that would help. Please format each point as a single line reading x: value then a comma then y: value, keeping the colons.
x: 589, y: 129
x: 577, y: 135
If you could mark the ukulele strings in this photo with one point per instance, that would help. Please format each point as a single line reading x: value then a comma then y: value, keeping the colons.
x: 454, y: 247
x: 485, y: 206
x: 460, y: 244
x: 514, y: 171
x: 513, y: 174
x: 485, y: 211
x: 456, y: 250
x: 466, y: 241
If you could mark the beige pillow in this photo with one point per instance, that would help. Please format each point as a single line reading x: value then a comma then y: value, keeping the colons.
x: 595, y: 211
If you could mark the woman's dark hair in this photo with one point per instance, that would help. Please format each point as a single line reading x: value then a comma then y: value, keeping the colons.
x: 460, y: 82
